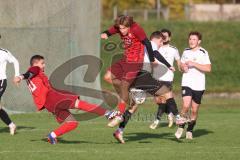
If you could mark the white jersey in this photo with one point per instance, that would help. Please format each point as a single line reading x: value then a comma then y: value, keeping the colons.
x: 194, y: 78
x: 170, y: 53
x: 146, y: 61
x: 6, y: 56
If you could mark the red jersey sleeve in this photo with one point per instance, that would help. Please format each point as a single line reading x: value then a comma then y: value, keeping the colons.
x: 138, y: 32
x: 113, y: 30
x: 32, y: 72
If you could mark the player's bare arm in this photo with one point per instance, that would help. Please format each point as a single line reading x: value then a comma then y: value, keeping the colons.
x: 179, y: 65
x: 201, y: 67
x: 184, y: 67
x: 27, y: 75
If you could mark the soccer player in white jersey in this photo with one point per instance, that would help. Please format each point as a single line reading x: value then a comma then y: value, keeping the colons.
x: 171, y: 54
x: 5, y: 57
x: 195, y: 63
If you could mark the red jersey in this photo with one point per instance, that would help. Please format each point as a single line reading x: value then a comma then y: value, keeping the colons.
x: 134, y: 49
x: 39, y: 86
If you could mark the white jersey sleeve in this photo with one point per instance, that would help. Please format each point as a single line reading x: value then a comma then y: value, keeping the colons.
x: 184, y: 58
x: 176, y: 55
x: 12, y: 59
x: 205, y: 58
x: 154, y: 46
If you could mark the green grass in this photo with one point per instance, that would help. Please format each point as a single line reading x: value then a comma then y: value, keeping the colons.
x: 220, y: 39
x: 216, y: 137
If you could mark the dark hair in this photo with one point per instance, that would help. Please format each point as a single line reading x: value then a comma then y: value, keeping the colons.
x: 35, y: 58
x: 166, y: 31
x: 195, y: 33
x: 157, y: 34
x: 124, y: 20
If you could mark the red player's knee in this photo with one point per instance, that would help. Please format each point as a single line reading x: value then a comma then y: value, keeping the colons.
x: 65, y: 128
x: 73, y: 124
x: 107, y: 79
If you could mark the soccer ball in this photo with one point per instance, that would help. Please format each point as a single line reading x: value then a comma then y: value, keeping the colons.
x: 138, y: 95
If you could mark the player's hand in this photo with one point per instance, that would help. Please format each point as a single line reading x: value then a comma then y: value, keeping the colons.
x: 184, y: 67
x: 154, y: 63
x: 190, y: 64
x: 172, y: 69
x: 17, y: 80
x: 104, y: 36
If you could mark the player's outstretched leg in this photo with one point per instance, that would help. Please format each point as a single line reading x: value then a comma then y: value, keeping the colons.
x: 122, y: 105
x: 93, y: 108
x: 124, y: 95
x: 5, y: 118
x: 118, y: 134
x: 66, y: 126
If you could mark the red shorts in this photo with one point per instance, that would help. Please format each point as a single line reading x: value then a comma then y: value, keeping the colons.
x: 59, y: 102
x: 126, y: 71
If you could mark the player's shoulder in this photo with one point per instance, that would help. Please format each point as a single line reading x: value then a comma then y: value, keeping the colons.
x: 136, y: 27
x: 135, y: 24
x: 173, y: 47
x: 202, y: 50
x: 2, y: 50
x: 186, y: 50
x: 34, y: 69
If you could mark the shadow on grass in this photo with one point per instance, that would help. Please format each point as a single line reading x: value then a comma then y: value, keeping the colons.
x: 19, y: 128
x: 163, y: 124
x: 201, y: 132
x: 143, y: 136
x: 64, y: 141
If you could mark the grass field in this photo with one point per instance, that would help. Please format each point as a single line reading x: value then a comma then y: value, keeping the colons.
x: 216, y: 137
x: 220, y: 39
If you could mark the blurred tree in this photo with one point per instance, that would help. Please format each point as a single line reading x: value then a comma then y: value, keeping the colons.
x: 108, y: 5
x: 212, y: 1
x: 176, y: 6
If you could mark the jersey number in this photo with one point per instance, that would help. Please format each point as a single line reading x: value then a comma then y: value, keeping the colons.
x: 31, y: 86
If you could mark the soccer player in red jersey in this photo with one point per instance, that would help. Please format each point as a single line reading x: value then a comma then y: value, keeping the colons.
x: 122, y: 73
x: 56, y: 101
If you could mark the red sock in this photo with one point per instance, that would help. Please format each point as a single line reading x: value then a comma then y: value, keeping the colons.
x: 122, y: 107
x: 92, y: 108
x: 65, y: 127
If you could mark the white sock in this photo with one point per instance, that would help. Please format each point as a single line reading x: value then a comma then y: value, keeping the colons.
x: 53, y: 135
x: 11, y: 125
x: 107, y: 113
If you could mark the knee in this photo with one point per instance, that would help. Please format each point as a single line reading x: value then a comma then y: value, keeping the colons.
x: 74, y: 124
x: 125, y: 84
x: 186, y: 105
x: 194, y: 112
x: 107, y: 78
x: 160, y: 99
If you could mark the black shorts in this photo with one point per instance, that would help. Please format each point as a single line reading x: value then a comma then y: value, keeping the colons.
x: 146, y: 82
x: 3, y: 86
x: 196, y: 95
